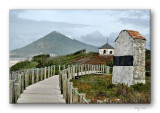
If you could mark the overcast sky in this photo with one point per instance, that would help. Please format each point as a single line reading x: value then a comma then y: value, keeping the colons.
x: 27, y: 26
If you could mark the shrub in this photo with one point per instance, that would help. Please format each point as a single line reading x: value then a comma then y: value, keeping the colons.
x: 23, y: 65
x: 41, y: 59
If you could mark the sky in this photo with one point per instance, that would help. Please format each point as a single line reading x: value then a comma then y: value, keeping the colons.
x: 88, y: 26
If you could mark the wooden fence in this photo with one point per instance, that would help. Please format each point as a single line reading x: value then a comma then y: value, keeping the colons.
x: 70, y: 94
x: 21, y: 79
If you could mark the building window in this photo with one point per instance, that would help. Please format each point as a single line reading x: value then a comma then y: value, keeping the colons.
x: 110, y: 52
x: 104, y: 52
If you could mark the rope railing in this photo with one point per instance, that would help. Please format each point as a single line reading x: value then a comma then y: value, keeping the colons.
x: 71, y: 94
x: 19, y: 80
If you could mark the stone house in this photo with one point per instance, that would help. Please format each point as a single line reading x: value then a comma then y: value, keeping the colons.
x: 129, y: 58
x: 106, y: 49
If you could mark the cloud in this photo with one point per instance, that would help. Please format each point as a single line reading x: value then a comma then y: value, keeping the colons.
x: 95, y: 38
x: 24, y: 31
x: 135, y: 21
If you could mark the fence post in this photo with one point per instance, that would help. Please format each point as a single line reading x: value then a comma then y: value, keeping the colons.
x: 16, y: 92
x: 11, y: 91
x: 54, y: 70
x: 37, y: 75
x: 59, y: 67
x: 75, y: 95
x: 48, y: 71
x: 81, y: 98
x: 81, y: 70
x: 64, y: 85
x: 76, y: 69
x: 23, y: 79
x: 51, y: 71
x: 70, y: 91
x: 32, y: 76
x: 41, y: 74
x: 88, y: 68
x: 73, y: 72
x: 107, y: 70
x: 26, y: 79
x: 45, y: 72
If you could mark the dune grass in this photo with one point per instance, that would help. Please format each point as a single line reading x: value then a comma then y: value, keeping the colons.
x: 99, y: 89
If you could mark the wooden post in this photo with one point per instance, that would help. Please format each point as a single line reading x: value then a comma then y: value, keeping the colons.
x: 41, y: 74
x: 26, y: 79
x: 48, y: 71
x: 75, y: 95
x: 81, y: 98
x: 59, y: 67
x: 70, y: 84
x: 85, y: 68
x: 60, y: 77
x: 23, y: 80
x: 76, y: 69
x: 20, y: 83
x: 37, y: 75
x: 88, y: 68
x: 16, y: 92
x: 11, y: 91
x: 73, y: 72
x: 54, y: 70
x: 64, y: 85
x: 45, y: 72
x: 51, y: 71
x: 81, y: 70
x: 107, y: 70
x: 32, y: 76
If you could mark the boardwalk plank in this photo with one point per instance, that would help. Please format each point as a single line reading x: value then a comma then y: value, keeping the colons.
x: 46, y: 91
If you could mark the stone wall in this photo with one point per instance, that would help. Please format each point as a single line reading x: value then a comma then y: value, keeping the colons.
x: 139, y: 61
x: 124, y: 45
x: 122, y: 74
x: 127, y: 46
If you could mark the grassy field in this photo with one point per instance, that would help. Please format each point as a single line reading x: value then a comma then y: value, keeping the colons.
x: 99, y: 89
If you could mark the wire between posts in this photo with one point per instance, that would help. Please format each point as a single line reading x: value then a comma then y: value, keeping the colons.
x: 79, y: 95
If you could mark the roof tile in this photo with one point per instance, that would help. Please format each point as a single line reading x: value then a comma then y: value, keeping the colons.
x: 135, y: 34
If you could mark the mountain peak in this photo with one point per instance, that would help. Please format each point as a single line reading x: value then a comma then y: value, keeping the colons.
x: 53, y: 43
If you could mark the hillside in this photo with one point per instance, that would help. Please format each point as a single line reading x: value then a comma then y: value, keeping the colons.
x: 54, y: 43
x: 79, y: 57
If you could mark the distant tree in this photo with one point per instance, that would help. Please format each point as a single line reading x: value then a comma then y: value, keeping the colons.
x: 41, y: 59
x: 80, y: 51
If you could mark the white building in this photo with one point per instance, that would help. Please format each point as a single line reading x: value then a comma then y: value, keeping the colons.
x: 106, y: 49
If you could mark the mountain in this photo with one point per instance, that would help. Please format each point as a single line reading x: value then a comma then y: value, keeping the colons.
x: 54, y: 43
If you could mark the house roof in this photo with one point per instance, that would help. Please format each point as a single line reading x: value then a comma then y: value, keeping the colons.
x: 134, y: 34
x: 106, y: 46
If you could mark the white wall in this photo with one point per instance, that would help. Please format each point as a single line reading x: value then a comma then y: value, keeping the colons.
x: 107, y: 51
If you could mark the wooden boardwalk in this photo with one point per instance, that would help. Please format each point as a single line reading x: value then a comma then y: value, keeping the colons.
x: 46, y: 91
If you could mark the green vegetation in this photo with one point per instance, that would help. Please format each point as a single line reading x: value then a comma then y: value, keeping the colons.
x: 41, y: 59
x: 24, y: 65
x: 45, y: 60
x: 99, y: 88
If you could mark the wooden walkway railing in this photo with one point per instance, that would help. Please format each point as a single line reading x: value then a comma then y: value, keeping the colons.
x: 21, y: 79
x: 70, y: 94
